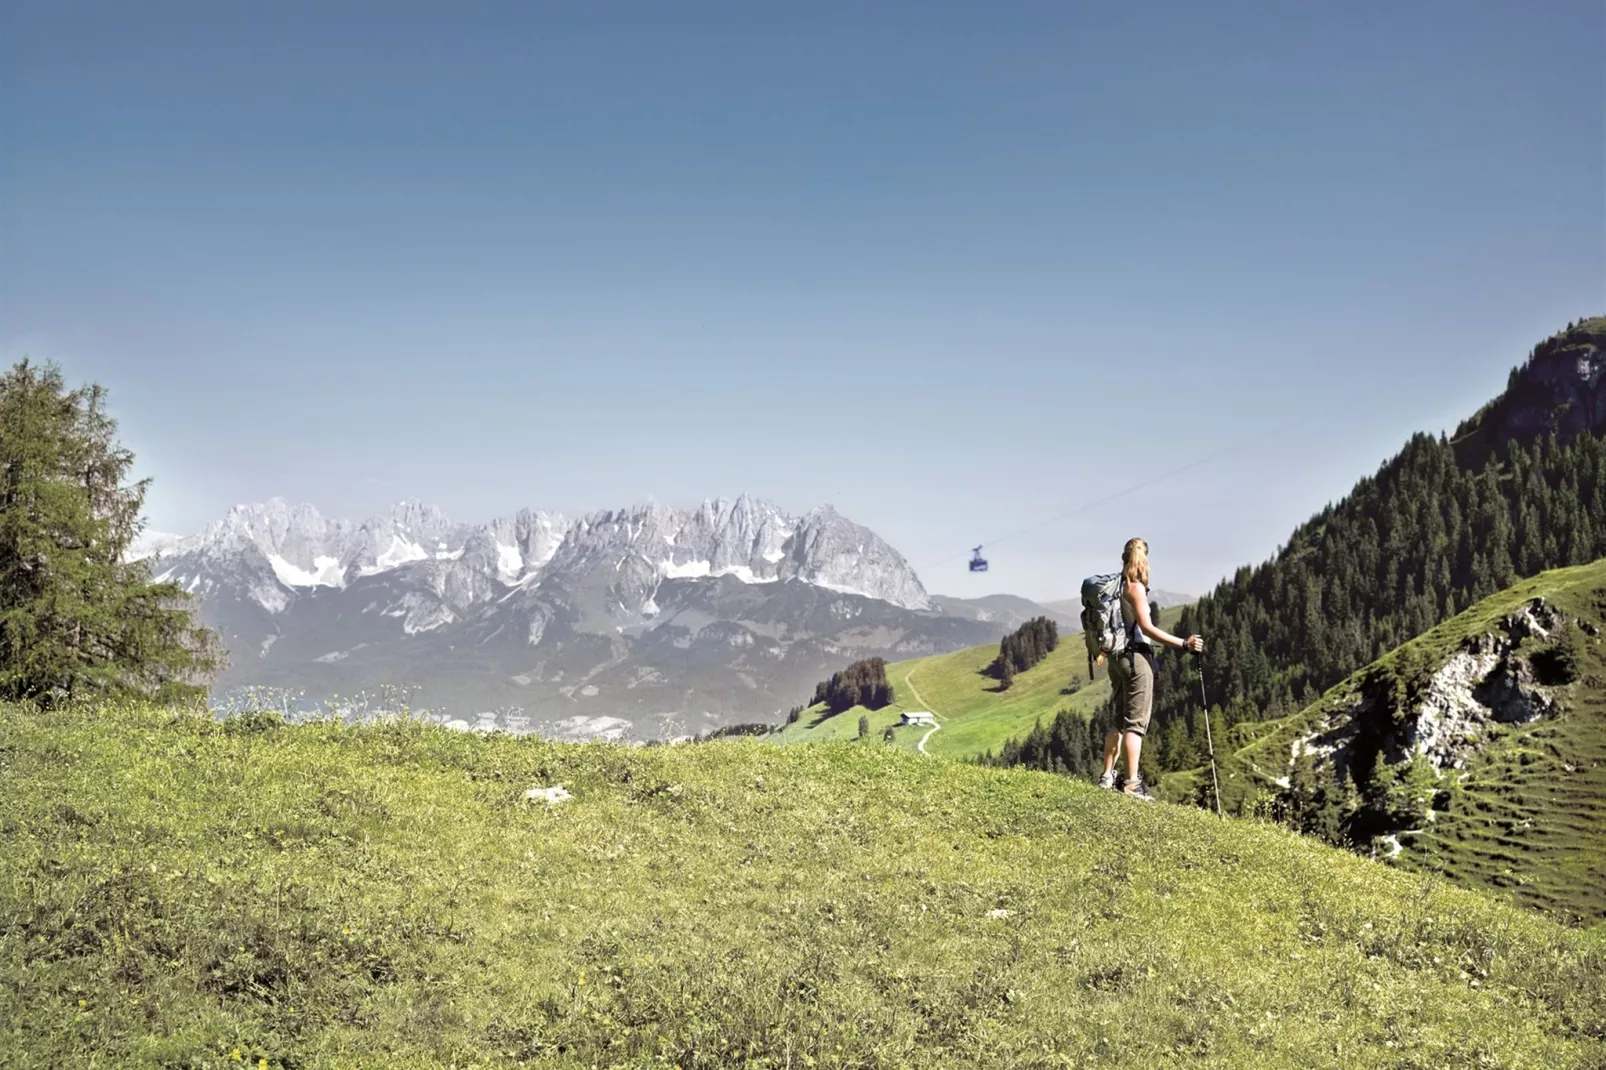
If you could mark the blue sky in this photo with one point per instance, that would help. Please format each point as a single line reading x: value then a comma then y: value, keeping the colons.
x: 955, y: 268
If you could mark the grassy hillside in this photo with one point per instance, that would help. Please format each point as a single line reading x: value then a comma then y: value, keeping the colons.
x: 1529, y: 817
x: 176, y: 892
x: 974, y: 716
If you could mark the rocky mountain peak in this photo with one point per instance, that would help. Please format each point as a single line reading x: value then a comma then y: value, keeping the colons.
x: 1560, y: 389
x: 630, y: 551
x: 831, y: 551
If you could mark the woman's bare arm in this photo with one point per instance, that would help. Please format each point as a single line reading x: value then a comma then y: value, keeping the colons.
x: 1140, y: 604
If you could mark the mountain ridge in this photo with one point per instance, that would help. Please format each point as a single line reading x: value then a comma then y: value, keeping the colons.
x: 745, y: 537
x: 635, y: 615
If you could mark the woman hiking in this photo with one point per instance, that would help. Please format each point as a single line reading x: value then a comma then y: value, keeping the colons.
x: 1132, y: 671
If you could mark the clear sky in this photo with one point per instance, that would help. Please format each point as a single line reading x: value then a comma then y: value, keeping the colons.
x: 954, y: 268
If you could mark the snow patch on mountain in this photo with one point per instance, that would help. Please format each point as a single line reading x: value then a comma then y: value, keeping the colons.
x: 153, y: 544
x: 693, y: 570
x: 400, y: 552
x: 326, y: 572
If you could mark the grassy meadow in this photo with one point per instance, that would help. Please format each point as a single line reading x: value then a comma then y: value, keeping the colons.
x: 179, y: 892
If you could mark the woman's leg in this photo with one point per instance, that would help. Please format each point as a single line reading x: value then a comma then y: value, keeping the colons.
x: 1120, y: 683
x: 1140, y: 701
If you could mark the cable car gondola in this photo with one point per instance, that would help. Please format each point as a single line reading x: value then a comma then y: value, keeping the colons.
x: 977, y: 562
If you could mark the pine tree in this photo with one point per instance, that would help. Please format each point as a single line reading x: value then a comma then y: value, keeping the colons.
x: 1349, y: 801
x: 77, y: 620
x: 864, y: 725
x: 1006, y: 674
x: 1412, y: 794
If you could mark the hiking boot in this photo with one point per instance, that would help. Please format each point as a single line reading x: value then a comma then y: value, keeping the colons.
x: 1134, y: 787
x: 1107, y: 781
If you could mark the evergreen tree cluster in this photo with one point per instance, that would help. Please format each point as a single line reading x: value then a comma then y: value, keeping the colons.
x: 77, y: 620
x: 1331, y: 807
x: 1423, y: 539
x: 1023, y: 648
x: 1320, y: 805
x: 1070, y: 744
x: 864, y: 683
x: 737, y: 731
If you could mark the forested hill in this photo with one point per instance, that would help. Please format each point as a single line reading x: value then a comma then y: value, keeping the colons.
x: 1445, y: 523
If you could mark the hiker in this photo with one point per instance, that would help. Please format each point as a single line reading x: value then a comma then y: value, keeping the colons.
x: 1132, y: 670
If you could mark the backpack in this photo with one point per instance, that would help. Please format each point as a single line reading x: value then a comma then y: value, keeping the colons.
x: 1105, y: 633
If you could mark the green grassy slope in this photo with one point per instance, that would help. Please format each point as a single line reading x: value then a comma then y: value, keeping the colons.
x: 1530, y: 817
x: 178, y: 893
x: 974, y: 717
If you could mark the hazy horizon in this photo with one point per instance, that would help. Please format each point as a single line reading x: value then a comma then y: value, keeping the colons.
x: 955, y: 271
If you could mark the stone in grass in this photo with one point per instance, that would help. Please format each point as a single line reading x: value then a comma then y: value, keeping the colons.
x: 551, y: 796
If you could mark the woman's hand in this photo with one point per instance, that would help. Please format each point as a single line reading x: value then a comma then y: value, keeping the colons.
x: 1194, y: 644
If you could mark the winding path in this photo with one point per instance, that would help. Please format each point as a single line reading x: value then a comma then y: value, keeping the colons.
x: 909, y: 678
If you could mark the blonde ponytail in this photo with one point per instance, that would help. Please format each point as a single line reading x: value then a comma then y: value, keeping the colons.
x: 1135, y: 562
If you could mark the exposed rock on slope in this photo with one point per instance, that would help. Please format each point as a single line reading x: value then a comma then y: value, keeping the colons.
x: 1490, y: 679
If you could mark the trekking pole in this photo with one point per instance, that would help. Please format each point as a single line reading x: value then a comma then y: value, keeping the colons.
x: 1204, y: 706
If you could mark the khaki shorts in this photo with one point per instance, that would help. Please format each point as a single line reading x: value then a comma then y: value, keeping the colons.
x: 1132, y: 683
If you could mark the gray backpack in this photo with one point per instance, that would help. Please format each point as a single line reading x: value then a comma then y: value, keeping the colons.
x: 1105, y: 633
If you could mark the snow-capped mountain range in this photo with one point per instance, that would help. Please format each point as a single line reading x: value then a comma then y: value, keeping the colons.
x: 733, y: 608
x: 466, y: 564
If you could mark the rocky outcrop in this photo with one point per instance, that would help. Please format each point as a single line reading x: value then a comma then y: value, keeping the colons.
x: 1560, y: 390
x: 1490, y: 679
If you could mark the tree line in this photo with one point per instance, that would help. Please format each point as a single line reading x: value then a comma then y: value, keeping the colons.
x: 1439, y: 527
x: 1070, y: 744
x: 1410, y: 547
x: 864, y: 683
x: 1023, y: 648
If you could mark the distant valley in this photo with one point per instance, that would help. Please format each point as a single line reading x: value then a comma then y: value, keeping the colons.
x: 637, y: 623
